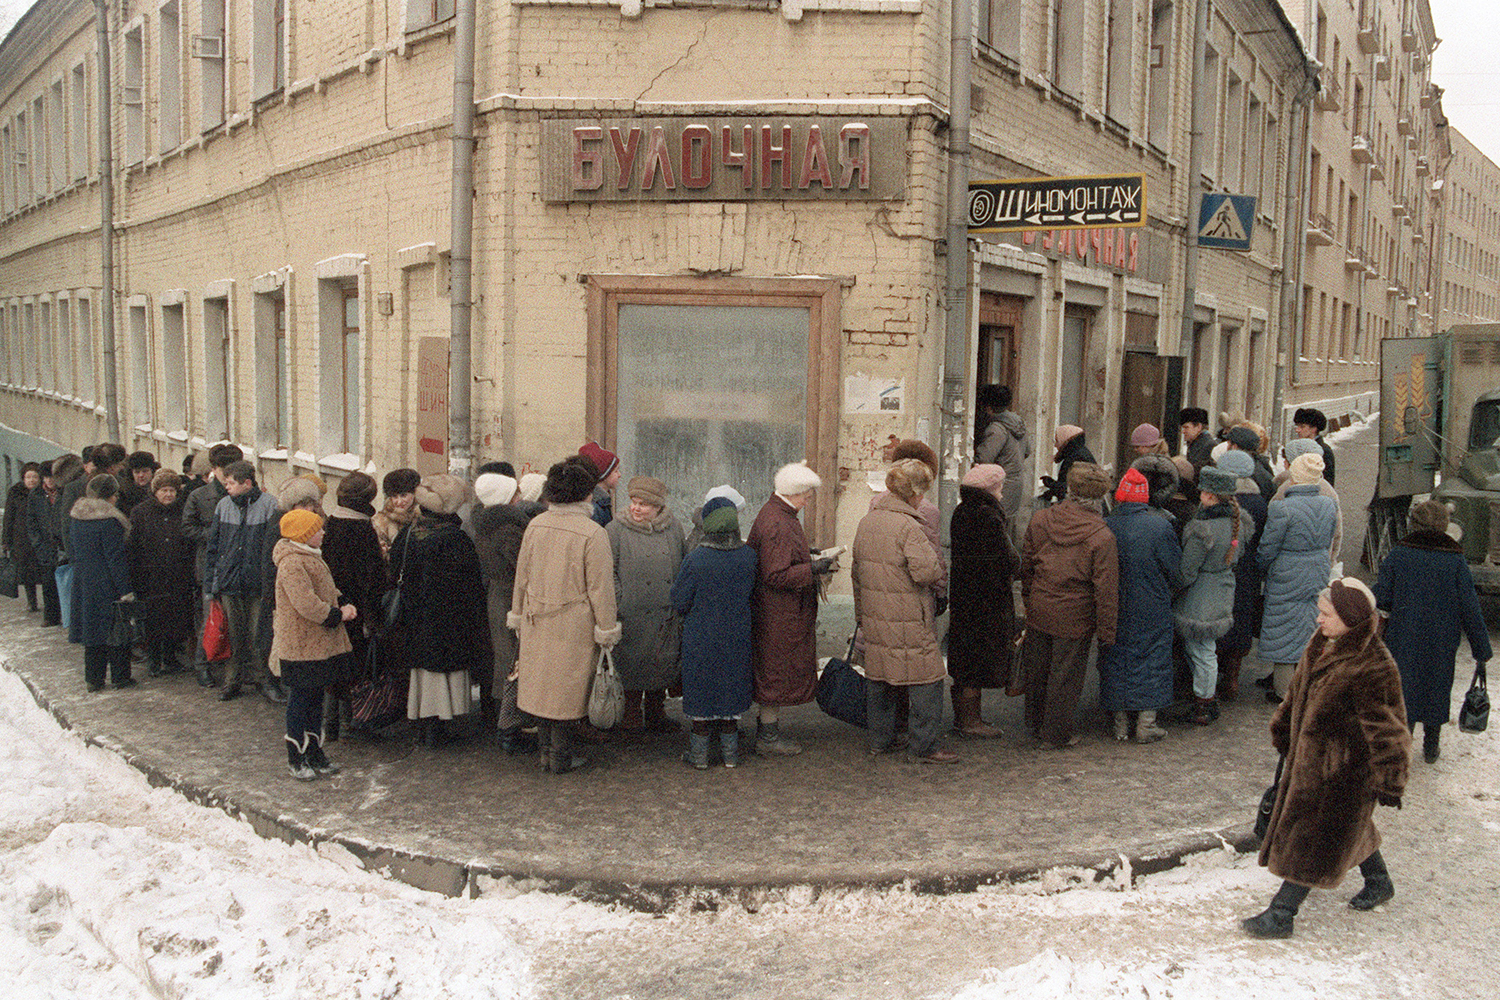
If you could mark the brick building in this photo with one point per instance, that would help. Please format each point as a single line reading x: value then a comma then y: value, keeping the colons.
x: 1469, y: 183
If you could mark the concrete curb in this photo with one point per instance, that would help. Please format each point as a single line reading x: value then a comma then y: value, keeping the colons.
x: 452, y: 877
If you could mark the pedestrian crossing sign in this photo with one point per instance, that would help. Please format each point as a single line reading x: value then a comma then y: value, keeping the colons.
x: 1226, y: 221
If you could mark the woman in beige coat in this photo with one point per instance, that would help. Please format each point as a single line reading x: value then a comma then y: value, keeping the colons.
x: 894, y: 569
x: 563, y: 606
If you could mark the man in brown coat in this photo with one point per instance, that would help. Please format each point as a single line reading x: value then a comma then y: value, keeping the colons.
x: 784, y: 651
x: 1070, y: 575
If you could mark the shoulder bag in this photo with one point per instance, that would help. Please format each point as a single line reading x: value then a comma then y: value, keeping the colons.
x: 1474, y: 717
x: 607, y: 696
x: 841, y: 690
x: 390, y: 601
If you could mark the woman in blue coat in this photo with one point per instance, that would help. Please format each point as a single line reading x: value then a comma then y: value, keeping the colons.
x: 1135, y: 674
x: 1294, y: 552
x: 712, y: 594
x: 1426, y: 589
x: 101, y: 577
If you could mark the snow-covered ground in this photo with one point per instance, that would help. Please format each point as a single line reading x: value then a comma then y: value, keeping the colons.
x: 110, y: 888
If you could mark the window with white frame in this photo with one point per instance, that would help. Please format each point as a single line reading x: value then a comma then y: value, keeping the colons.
x: 46, y: 374
x: 216, y: 369
x: 208, y: 50
x: 1119, y: 88
x: 1211, y: 73
x: 39, y: 174
x: 7, y: 180
x: 7, y: 352
x: 83, y: 325
x: 78, y: 137
x: 21, y: 160
x: 1234, y: 132
x: 64, y: 341
x: 57, y: 135
x: 31, y: 370
x: 339, y: 354
x: 140, y: 364
x: 1065, y: 38
x: 273, y: 406
x: 1160, y: 61
x: 268, y: 47
x: 174, y: 352
x: 169, y: 77
x: 425, y: 13
x: 133, y: 95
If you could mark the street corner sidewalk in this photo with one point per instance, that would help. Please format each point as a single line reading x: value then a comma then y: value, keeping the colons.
x: 641, y: 828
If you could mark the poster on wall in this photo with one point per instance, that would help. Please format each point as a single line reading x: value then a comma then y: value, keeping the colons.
x: 874, y: 394
x: 432, y: 406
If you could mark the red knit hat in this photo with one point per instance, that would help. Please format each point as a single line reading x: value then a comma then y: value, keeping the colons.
x: 603, y: 461
x: 1133, y: 488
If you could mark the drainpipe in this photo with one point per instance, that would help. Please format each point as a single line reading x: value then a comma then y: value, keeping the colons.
x: 1195, y: 187
x: 460, y: 261
x: 956, y: 341
x: 107, y: 227
x: 1294, y: 243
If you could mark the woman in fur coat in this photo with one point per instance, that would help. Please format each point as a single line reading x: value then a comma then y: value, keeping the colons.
x: 1426, y: 589
x: 1342, y: 732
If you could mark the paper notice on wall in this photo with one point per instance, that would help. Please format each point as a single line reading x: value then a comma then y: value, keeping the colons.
x: 873, y: 393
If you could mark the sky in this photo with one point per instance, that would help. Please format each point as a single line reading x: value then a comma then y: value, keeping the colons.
x: 1463, y: 64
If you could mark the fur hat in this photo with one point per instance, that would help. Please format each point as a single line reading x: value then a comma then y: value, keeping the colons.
x: 442, y: 493
x: 102, y: 487
x: 796, y: 478
x: 990, y: 478
x: 493, y: 489
x: 912, y: 448
x: 399, y: 481
x: 1306, y: 469
x: 356, y: 487
x: 1212, y: 479
x: 1193, y: 415
x: 1086, y: 481
x: 531, y: 485
x: 1243, y: 437
x: 1145, y: 436
x: 1311, y: 417
x: 569, y: 482
x: 1064, y: 434
x: 1161, y: 473
x: 298, y: 490
x: 300, y: 525
x: 1133, y: 488
x: 1352, y: 600
x: 1429, y: 515
x: 604, y: 462
x: 729, y: 493
x: 1236, y: 463
x: 142, y: 460
x: 224, y: 454
x: 1297, y: 447
x: 909, y: 479
x: 165, y: 478
x: 647, y: 490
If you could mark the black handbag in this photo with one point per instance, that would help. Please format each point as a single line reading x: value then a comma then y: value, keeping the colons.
x: 8, y: 585
x: 1268, y: 803
x: 1474, y: 717
x: 390, y: 601
x: 841, y: 690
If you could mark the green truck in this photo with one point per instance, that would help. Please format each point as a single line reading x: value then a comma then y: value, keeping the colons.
x: 1440, y: 435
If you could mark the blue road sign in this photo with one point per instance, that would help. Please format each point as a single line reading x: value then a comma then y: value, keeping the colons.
x: 1226, y: 221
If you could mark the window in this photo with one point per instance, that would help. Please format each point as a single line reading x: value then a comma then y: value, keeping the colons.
x: 1119, y: 82
x: 64, y: 346
x: 269, y: 47
x: 339, y: 355
x: 140, y: 364
x: 46, y: 374
x: 1066, y: 33
x: 57, y: 136
x: 1073, y: 356
x: 133, y: 97
x: 83, y: 323
x: 1000, y: 26
x: 216, y: 369
x: 1211, y: 75
x: 273, y: 410
x: 7, y: 179
x: 208, y: 49
x: 39, y: 173
x: 174, y: 351
x: 78, y: 139
x: 1234, y: 132
x: 21, y: 161
x: 7, y: 351
x: 31, y: 370
x: 425, y: 13
x: 169, y: 78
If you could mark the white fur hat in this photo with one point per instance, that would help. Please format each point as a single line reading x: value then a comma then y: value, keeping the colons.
x: 493, y: 488
x: 796, y: 478
x: 727, y: 492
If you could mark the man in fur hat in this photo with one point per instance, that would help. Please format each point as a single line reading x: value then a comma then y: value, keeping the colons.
x: 1310, y: 423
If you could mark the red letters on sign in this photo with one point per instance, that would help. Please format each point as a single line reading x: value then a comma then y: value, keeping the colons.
x: 739, y: 161
x: 815, y: 162
x: 588, y: 164
x: 697, y: 157
x: 770, y: 153
x: 625, y: 155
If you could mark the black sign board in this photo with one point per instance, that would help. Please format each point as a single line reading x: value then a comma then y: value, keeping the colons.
x: 1057, y: 203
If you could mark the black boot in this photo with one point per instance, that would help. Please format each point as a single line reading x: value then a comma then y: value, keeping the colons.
x: 1430, y: 736
x: 296, y: 762
x: 317, y: 759
x: 1276, y: 921
x: 562, y: 759
x: 1378, y: 885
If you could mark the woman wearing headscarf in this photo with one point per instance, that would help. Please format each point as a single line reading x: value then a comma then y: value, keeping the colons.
x: 647, y: 545
x: 712, y: 593
x: 1204, y: 610
x: 97, y: 533
x: 562, y: 609
x: 1427, y: 591
x: 499, y: 527
x: 1248, y: 576
x: 1135, y: 674
x: 161, y: 570
x: 894, y: 567
x: 1295, y: 554
x: 1343, y: 733
x: 981, y: 609
x: 1071, y: 448
x: 442, y: 619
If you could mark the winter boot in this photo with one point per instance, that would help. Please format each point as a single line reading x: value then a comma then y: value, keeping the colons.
x: 634, y: 718
x: 317, y: 759
x: 1146, y: 729
x: 729, y: 745
x: 296, y: 762
x: 1276, y: 920
x: 1122, y: 726
x: 697, y: 752
x: 1229, y: 676
x: 1431, y: 751
x: 655, y: 714
x: 968, y: 723
x: 561, y: 759
x: 1205, y: 711
x: 769, y: 740
x: 1378, y: 885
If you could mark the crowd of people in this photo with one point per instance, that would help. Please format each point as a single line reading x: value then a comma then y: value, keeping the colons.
x: 355, y: 617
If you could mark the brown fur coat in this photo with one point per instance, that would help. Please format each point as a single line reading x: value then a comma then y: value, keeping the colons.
x: 1343, y: 729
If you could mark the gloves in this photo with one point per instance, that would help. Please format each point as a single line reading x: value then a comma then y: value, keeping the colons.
x: 822, y: 565
x: 1387, y: 799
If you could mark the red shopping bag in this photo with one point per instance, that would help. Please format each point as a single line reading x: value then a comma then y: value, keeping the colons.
x: 215, y: 634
